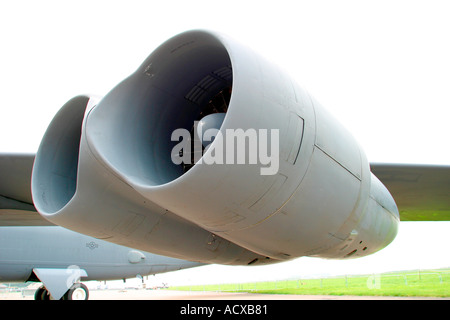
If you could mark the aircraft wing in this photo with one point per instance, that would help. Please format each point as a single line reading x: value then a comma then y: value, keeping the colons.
x: 422, y: 192
x: 16, y: 204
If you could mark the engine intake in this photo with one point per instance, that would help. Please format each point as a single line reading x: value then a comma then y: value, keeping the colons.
x: 56, y: 168
x: 178, y: 84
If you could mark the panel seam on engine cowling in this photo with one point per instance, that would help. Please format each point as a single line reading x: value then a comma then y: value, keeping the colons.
x: 340, y: 164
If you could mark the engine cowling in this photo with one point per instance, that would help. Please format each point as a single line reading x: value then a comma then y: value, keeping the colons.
x: 281, y: 178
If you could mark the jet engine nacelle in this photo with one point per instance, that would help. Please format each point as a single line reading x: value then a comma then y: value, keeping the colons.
x: 211, y: 153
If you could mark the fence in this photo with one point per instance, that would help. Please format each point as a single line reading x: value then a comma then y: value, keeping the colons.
x: 415, y: 283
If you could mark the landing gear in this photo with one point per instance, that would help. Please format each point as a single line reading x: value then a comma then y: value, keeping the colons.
x: 42, y: 293
x: 77, y: 291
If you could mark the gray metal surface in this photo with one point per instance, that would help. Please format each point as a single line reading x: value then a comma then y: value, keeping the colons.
x: 422, y: 192
x: 59, y: 257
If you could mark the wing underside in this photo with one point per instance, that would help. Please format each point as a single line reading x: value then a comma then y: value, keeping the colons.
x: 422, y: 192
x: 16, y: 204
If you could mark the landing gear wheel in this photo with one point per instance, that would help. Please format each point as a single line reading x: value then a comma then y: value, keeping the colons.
x: 42, y: 293
x: 77, y: 291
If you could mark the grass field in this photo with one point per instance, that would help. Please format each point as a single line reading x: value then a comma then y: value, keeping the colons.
x: 420, y: 283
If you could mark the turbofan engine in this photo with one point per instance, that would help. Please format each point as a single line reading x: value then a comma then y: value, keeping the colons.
x: 209, y: 152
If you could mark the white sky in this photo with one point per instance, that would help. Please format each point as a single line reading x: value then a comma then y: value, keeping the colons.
x: 381, y: 67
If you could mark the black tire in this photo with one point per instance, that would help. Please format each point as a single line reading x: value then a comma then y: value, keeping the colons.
x: 42, y: 294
